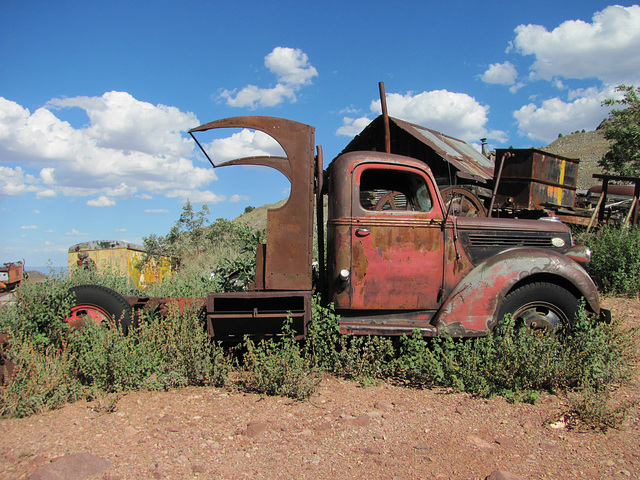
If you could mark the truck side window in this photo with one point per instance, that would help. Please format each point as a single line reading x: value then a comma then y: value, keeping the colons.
x: 391, y: 190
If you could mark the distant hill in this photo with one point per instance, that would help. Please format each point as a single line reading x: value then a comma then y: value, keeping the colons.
x: 589, y: 147
x: 257, y: 218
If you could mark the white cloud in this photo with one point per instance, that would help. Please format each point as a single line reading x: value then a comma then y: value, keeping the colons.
x: 196, y: 197
x: 120, y: 230
x: 238, y: 198
x: 28, y: 227
x: 584, y: 110
x: 293, y: 71
x: 456, y: 114
x: 76, y: 233
x: 15, y: 182
x: 245, y: 143
x: 156, y: 210
x: 291, y: 66
x: 101, y: 201
x: 500, y: 73
x: 128, y: 147
x: 607, y: 49
x: 353, y: 126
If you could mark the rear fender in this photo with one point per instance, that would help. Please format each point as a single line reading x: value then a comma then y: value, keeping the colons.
x: 472, y: 307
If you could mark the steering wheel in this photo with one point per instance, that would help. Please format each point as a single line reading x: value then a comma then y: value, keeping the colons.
x: 389, y: 198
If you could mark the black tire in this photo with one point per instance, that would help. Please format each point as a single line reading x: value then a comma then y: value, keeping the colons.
x: 102, y: 304
x: 540, y: 305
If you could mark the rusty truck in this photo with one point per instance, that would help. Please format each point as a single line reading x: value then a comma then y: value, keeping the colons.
x: 397, y: 259
x: 11, y: 275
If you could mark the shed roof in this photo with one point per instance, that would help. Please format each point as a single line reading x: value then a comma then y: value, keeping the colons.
x: 444, y: 154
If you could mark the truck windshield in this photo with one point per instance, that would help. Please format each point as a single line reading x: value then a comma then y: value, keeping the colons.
x: 389, y: 190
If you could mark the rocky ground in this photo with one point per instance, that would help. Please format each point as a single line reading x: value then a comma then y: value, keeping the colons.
x: 345, y: 431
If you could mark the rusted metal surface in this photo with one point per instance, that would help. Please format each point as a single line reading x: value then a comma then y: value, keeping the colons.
x: 283, y: 282
x: 385, y: 116
x: 472, y: 306
x: 397, y: 260
x: 461, y: 202
x: 233, y: 315
x: 10, y: 275
x: 288, y: 250
x: 605, y: 189
x: 451, y: 160
x: 162, y: 305
x: 411, y: 269
x: 532, y: 178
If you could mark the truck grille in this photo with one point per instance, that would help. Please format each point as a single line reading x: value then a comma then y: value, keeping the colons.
x: 509, y: 240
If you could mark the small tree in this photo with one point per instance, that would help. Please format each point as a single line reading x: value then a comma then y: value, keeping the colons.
x: 623, y: 128
x: 190, y: 227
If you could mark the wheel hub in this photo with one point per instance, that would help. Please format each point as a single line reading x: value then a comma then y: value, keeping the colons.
x: 540, y: 316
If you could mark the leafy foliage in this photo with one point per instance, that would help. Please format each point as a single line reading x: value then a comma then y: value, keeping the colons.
x: 42, y: 381
x: 213, y: 258
x: 278, y: 367
x: 623, y: 128
x: 55, y: 365
x: 615, y: 263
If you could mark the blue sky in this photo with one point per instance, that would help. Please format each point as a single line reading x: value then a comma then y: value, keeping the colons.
x: 96, y: 97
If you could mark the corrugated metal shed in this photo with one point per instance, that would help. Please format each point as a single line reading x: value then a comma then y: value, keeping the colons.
x: 451, y: 160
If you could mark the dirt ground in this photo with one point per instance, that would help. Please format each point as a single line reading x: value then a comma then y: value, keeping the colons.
x: 344, y: 431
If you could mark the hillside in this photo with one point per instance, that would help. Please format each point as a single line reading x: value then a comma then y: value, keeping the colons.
x: 589, y: 147
x: 257, y: 218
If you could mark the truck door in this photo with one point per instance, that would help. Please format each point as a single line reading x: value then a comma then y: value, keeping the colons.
x: 397, y: 252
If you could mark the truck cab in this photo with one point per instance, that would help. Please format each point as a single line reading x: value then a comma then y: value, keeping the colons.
x: 398, y: 260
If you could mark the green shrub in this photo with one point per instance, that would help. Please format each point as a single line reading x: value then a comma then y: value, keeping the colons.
x: 168, y: 352
x: 615, y: 263
x: 42, y: 381
x: 365, y: 358
x: 39, y: 315
x: 184, y: 351
x: 584, y: 360
x: 277, y: 367
x: 323, y: 340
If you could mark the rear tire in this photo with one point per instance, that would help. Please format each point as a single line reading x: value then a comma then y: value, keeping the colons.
x: 102, y: 305
x: 540, y: 305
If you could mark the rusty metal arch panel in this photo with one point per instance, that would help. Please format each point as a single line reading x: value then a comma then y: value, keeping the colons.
x: 288, y: 251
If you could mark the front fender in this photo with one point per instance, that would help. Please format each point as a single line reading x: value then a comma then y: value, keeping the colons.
x: 472, y: 307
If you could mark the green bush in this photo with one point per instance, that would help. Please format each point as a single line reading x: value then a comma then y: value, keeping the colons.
x: 55, y: 365
x: 584, y: 359
x: 168, y: 352
x: 42, y: 381
x: 615, y: 263
x: 277, y: 367
x: 213, y: 258
x: 39, y: 315
x: 365, y: 358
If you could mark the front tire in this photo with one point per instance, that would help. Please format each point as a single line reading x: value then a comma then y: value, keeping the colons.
x: 101, y: 305
x: 540, y: 305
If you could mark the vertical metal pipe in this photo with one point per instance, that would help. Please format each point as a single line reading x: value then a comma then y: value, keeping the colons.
x: 319, y: 174
x: 385, y: 116
x: 497, y: 182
